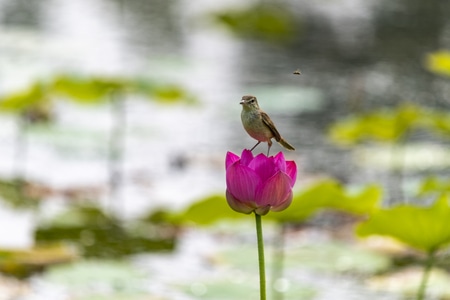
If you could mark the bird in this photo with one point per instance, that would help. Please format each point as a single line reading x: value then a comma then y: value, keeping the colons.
x: 259, y: 125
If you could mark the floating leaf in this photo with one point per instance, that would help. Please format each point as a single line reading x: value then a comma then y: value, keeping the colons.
x: 309, y: 201
x: 347, y: 131
x: 364, y: 202
x: 207, y: 211
x: 423, y: 228
x: 440, y: 123
x: 439, y: 62
x: 34, y: 96
x: 18, y: 193
x: 98, y: 279
x: 434, y: 185
x: 87, y: 89
x: 170, y: 93
x: 329, y: 194
x: 263, y: 21
x: 22, y: 263
x: 97, y: 234
x: 382, y: 126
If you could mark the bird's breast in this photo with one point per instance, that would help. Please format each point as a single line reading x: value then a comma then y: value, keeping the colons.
x: 255, y: 126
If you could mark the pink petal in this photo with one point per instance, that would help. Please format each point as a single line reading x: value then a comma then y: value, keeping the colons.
x: 230, y: 159
x: 274, y: 191
x: 263, y: 166
x: 237, y: 205
x: 291, y: 171
x: 242, y: 182
x: 280, y: 161
x: 284, y: 204
x: 246, y: 157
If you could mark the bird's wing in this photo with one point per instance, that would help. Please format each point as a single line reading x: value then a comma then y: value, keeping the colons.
x: 269, y: 123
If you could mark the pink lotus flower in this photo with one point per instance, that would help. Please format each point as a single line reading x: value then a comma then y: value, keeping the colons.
x: 259, y: 183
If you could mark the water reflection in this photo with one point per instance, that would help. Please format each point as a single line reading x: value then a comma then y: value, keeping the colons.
x: 354, y: 56
x: 22, y: 13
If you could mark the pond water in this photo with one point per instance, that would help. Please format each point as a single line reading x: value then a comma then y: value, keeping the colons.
x: 354, y: 55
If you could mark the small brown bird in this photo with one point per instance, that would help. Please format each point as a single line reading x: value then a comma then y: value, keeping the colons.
x: 259, y: 125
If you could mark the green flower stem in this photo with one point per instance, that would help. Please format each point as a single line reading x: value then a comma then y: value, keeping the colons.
x: 426, y: 274
x: 262, y: 272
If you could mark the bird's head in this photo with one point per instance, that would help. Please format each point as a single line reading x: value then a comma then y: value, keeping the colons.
x: 249, y: 102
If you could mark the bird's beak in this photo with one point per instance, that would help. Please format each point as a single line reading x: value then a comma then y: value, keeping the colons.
x: 242, y: 101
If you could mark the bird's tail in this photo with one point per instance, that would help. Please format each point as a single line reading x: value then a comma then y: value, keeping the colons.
x: 285, y: 144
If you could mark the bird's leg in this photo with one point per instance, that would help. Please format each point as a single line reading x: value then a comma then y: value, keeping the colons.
x: 255, y: 145
x: 269, y: 144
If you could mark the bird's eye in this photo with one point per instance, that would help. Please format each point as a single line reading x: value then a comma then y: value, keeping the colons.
x: 252, y: 101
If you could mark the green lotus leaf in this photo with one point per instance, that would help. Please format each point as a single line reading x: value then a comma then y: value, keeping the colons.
x: 262, y: 21
x: 309, y: 201
x: 384, y: 125
x: 207, y: 211
x: 329, y: 194
x: 170, y: 93
x: 440, y: 123
x: 439, y: 62
x: 17, y: 194
x: 86, y: 89
x: 34, y: 96
x: 364, y: 202
x: 433, y: 185
x: 423, y: 228
x: 347, y: 131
